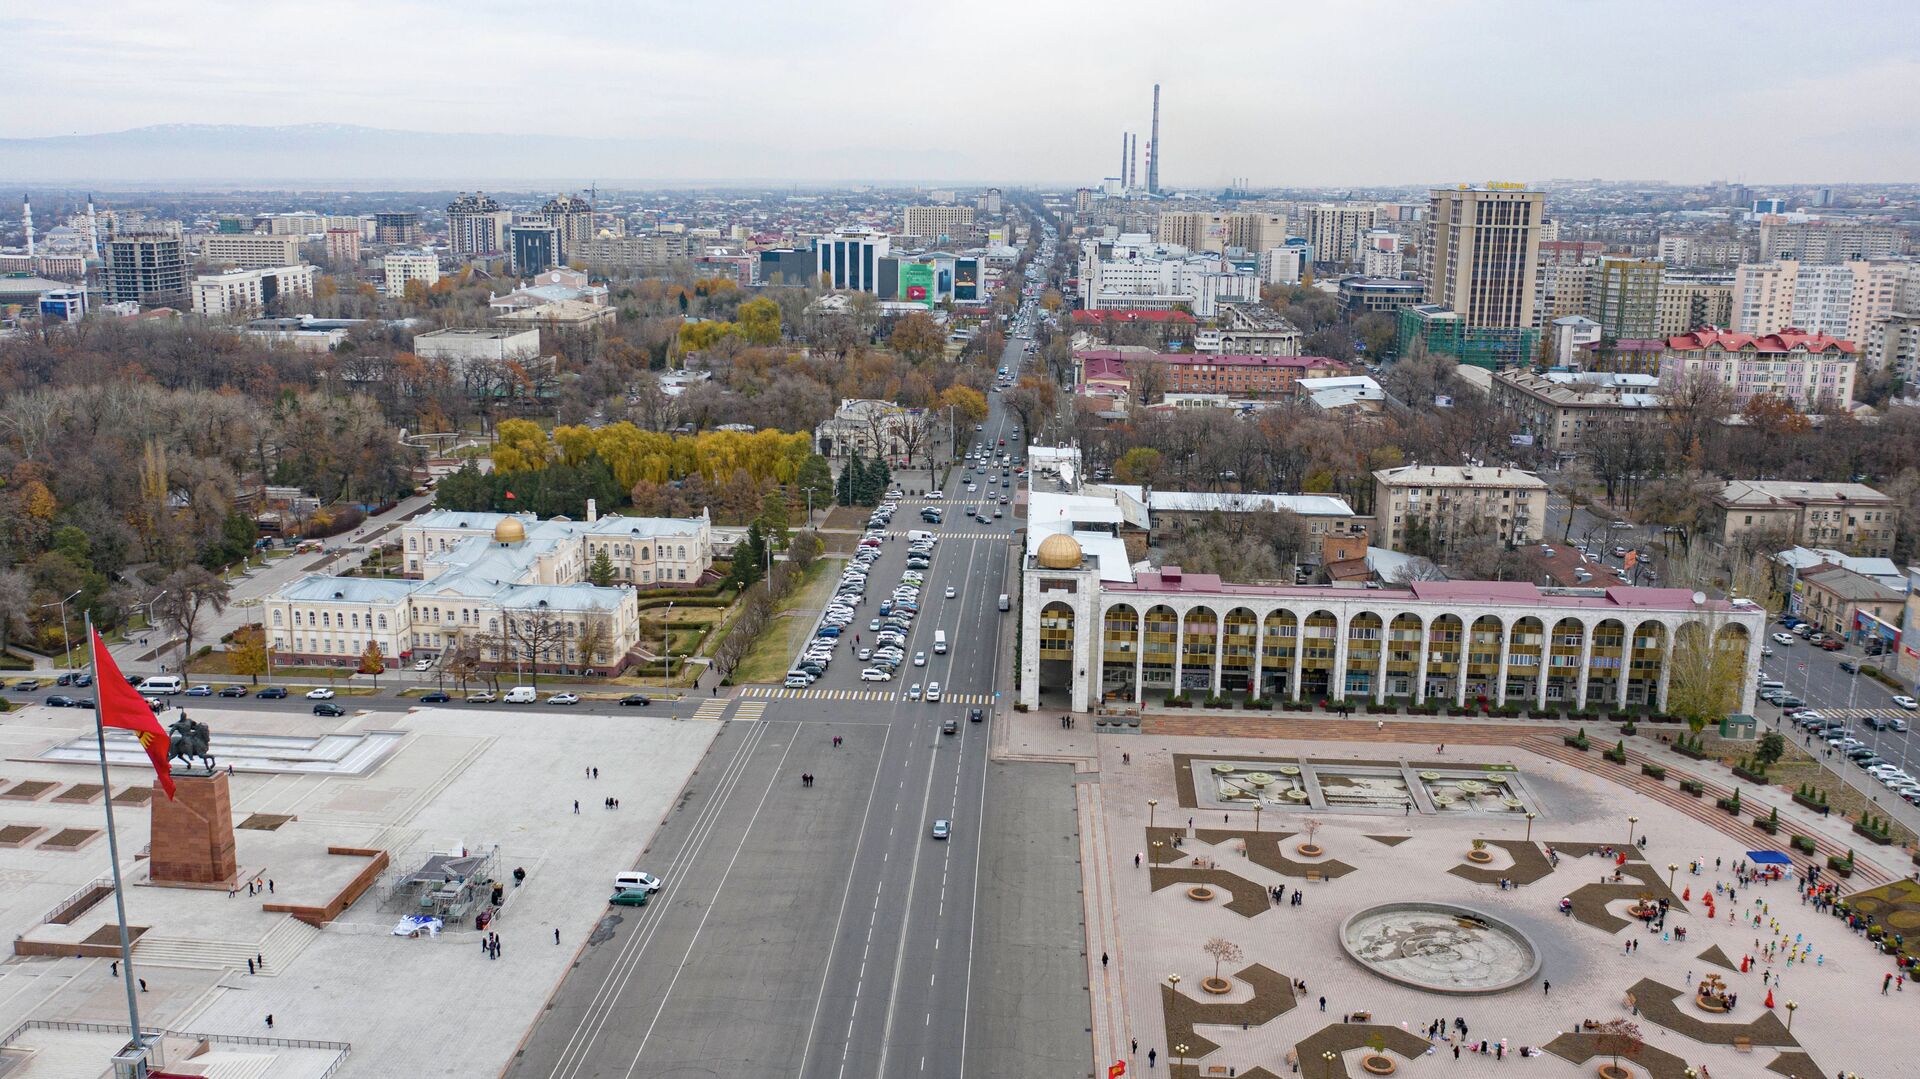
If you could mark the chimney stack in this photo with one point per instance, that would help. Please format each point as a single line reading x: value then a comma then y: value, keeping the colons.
x: 1153, y: 147
x: 593, y: 511
x: 26, y: 218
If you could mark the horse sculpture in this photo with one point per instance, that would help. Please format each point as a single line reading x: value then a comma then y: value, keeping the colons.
x: 190, y: 740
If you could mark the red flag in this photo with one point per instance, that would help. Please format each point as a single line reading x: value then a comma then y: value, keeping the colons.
x: 509, y: 496
x: 122, y: 706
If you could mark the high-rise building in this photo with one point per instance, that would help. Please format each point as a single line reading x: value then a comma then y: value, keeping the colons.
x: 1484, y: 253
x: 251, y: 250
x: 1691, y: 301
x: 244, y: 293
x: 1334, y: 230
x: 476, y: 225
x: 849, y: 258
x: 343, y: 246
x: 935, y: 224
x: 572, y: 219
x: 403, y: 267
x: 1841, y: 300
x: 1255, y: 232
x: 147, y: 267
x: 1827, y: 240
x: 534, y: 247
x: 1624, y: 297
x: 1381, y: 254
x: 396, y: 228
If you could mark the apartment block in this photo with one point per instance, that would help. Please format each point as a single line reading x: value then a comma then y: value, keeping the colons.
x: 1484, y: 253
x: 1849, y: 517
x: 245, y: 293
x: 1691, y: 301
x: 1813, y: 372
x: 1432, y: 506
x: 251, y: 250
x: 403, y: 267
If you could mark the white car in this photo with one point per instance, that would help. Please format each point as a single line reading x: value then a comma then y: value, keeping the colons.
x: 875, y: 674
x: 950, y: 592
x: 423, y: 665
x: 936, y: 495
x: 320, y: 694
x: 864, y: 653
x: 919, y: 659
x: 1784, y: 640
x: 797, y: 682
x: 564, y: 698
x: 1906, y: 702
x: 933, y: 691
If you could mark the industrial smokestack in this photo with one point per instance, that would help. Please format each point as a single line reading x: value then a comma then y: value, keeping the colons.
x: 1131, y: 173
x: 1124, y: 137
x: 26, y: 219
x: 1153, y: 147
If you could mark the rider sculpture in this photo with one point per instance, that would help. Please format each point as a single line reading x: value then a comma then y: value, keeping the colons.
x: 190, y: 740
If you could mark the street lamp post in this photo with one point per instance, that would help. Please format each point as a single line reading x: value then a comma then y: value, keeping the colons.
x: 1174, y: 980
x: 1256, y: 816
x: 1152, y: 804
x: 64, y: 635
x: 1180, y: 1053
x: 1632, y: 823
x: 1530, y: 817
x: 1672, y: 868
x: 1792, y: 1006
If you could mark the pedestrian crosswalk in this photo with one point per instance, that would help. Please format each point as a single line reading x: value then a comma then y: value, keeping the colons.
x: 712, y: 709
x: 750, y: 711
x: 1852, y: 713
x: 963, y: 535
x: 782, y: 693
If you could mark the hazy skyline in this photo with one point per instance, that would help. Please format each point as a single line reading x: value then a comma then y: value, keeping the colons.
x: 1354, y: 93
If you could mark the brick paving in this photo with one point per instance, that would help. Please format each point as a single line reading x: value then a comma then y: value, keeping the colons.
x: 1582, y: 1047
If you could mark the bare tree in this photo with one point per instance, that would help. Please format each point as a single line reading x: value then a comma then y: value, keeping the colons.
x: 595, y: 642
x: 1223, y: 951
x: 532, y: 635
x: 188, y: 596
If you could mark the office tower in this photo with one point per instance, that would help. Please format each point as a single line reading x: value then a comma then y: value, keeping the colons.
x: 937, y: 224
x: 476, y: 225
x: 1153, y: 147
x: 147, y: 267
x: 572, y: 219
x: 1484, y: 253
x: 534, y: 247
x: 849, y: 258
x: 396, y: 228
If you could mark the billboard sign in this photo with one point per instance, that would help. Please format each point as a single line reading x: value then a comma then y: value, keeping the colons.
x: 916, y: 283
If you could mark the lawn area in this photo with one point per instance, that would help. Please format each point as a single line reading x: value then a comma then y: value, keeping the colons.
x: 791, y: 622
x: 686, y: 628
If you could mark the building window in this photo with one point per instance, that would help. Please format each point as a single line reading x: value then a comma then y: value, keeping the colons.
x: 276, y: 617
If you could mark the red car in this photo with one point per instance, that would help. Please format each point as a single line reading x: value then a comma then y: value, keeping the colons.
x: 1832, y: 644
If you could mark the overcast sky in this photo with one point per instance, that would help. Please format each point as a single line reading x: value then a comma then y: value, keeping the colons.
x: 1293, y: 93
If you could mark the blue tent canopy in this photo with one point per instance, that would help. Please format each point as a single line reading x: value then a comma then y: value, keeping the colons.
x: 1768, y: 857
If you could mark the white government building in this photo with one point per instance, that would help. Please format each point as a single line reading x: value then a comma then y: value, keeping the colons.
x: 510, y: 583
x: 1100, y: 629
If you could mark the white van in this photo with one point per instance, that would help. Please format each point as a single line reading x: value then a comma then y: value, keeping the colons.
x: 1004, y: 603
x: 522, y: 695
x: 917, y: 535
x: 163, y: 683
x: 1767, y: 684
x: 939, y: 642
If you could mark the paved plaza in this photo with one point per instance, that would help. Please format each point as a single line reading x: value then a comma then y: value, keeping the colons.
x: 1165, y: 878
x: 498, y: 785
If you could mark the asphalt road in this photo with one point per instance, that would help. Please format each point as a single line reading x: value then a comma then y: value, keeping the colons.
x: 821, y: 931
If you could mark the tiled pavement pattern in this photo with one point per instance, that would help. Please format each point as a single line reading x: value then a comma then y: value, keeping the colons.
x: 1590, y: 900
x: 1529, y: 865
x: 1390, y: 840
x: 1263, y: 850
x: 1248, y: 899
x: 1796, y: 1065
x: 1272, y: 997
x: 1345, y: 1037
x: 1656, y: 1062
x: 1660, y: 1004
x: 1718, y: 958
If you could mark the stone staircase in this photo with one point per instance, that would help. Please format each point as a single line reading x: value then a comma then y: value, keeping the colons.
x: 279, y: 947
x: 220, y: 1064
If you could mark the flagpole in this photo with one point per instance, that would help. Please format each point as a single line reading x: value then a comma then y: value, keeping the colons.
x: 113, y: 840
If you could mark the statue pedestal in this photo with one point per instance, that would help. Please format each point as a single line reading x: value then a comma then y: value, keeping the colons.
x: 192, y: 840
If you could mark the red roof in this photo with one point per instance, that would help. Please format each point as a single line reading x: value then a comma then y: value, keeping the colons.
x: 1130, y: 315
x: 1190, y: 359
x: 1787, y: 340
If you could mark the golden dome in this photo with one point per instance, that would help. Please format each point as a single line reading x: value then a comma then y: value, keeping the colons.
x: 509, y: 530
x: 1059, y: 551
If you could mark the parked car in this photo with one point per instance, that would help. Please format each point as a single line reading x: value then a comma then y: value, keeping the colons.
x: 326, y: 708
x: 320, y: 693
x: 564, y: 698
x: 201, y: 690
x: 636, y: 700
x: 271, y: 693
x: 61, y: 700
x: 630, y: 897
x: 481, y: 697
x: 436, y: 697
x: 1832, y: 644
x: 233, y: 691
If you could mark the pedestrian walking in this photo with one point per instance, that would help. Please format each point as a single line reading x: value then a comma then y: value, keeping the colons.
x: 1136, y: 860
x: 1136, y: 1047
x: 1152, y: 1054
x: 269, y: 1020
x: 260, y: 960
x: 143, y: 984
x: 1323, y: 1004
x: 576, y: 805
x: 269, y: 885
x: 1546, y: 988
x: 114, y: 968
x: 556, y: 936
x: 1103, y: 960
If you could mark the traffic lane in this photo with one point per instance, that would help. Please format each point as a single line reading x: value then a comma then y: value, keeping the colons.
x: 297, y: 704
x: 740, y: 993
x: 598, y: 1014
x: 848, y: 1030
x: 930, y: 1002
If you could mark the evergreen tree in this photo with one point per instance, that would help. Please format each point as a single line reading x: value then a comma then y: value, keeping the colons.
x: 845, y: 489
x: 774, y: 518
x: 600, y: 572
x: 749, y: 558
x: 882, y: 479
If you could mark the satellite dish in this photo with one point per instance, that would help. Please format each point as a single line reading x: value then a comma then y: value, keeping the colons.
x: 1699, y: 598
